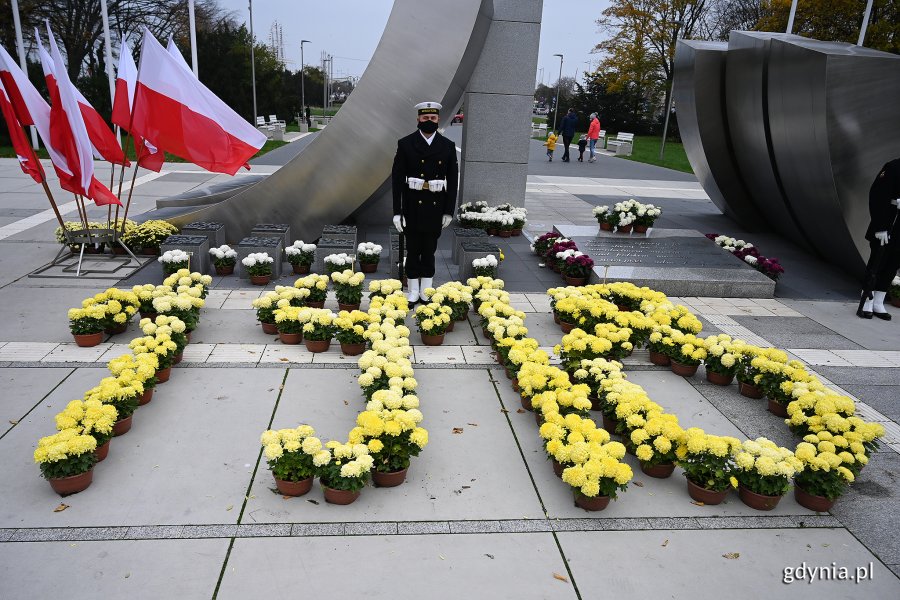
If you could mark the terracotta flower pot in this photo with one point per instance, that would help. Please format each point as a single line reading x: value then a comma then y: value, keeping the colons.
x: 516, y: 232
x: 492, y: 231
x: 451, y: 325
x: 225, y: 270
x: 557, y: 468
x: 163, y: 375
x: 300, y: 269
x: 750, y: 390
x: 777, y: 408
x: 319, y: 304
x: 73, y: 484
x: 538, y: 418
x: 178, y: 358
x: 504, y: 233
x: 623, y: 228
x: 640, y: 229
x: 260, y: 279
x: 807, y: 500
x: 554, y: 266
x: 353, y: 349
x: 706, y: 496
x: 293, y: 488
x: 623, y: 308
x: 515, y: 384
x: 150, y: 251
x: 122, y: 426
x: 368, y: 267
x: 269, y: 328
x: 118, y: 250
x: 149, y: 315
x: 391, y: 479
x: 348, y: 307
x: 591, y: 504
x: 526, y: 402
x: 317, y: 345
x: 566, y: 327
x: 120, y: 328
x: 719, y: 378
x: 342, y: 497
x: 658, y: 358
x: 663, y: 471
x: 575, y: 281
x: 102, y: 451
x: 596, y: 402
x: 432, y: 340
x: 290, y: 338
x: 605, y: 227
x: 556, y: 318
x: 757, y: 501
x: 609, y: 424
x: 88, y: 340
x: 682, y: 369
x: 895, y: 300
x: 146, y: 397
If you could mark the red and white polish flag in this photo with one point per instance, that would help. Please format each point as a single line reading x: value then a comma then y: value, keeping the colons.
x: 182, y: 116
x: 27, y: 160
x: 103, y: 140
x: 69, y: 134
x: 30, y: 108
x: 149, y: 157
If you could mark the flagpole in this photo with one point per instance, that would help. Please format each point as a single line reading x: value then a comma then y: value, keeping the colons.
x: 130, y: 191
x: 22, y: 63
x: 53, y: 204
x: 193, y: 28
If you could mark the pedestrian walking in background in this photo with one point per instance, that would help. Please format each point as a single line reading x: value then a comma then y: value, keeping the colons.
x: 593, y: 135
x: 551, y: 145
x: 582, y: 144
x: 567, y: 131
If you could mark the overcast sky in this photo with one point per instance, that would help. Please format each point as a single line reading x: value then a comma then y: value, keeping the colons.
x: 350, y: 30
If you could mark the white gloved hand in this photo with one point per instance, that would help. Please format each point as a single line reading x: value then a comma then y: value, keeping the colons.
x: 896, y: 202
x: 883, y: 237
x: 415, y: 183
x: 399, y: 223
x: 436, y: 185
x: 445, y: 220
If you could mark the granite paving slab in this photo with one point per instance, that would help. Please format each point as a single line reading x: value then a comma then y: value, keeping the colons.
x: 28, y: 387
x: 796, y: 332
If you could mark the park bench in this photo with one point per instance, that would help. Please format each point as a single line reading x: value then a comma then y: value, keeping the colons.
x: 622, y: 145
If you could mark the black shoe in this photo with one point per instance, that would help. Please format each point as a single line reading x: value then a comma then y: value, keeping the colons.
x: 883, y: 316
x: 864, y: 314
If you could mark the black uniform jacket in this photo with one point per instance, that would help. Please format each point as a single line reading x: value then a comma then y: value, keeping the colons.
x: 885, y: 188
x: 423, y: 209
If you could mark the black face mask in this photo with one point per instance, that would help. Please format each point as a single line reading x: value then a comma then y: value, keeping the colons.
x: 428, y: 127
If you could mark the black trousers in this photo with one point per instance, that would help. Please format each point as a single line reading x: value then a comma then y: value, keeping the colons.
x: 420, y: 249
x: 884, y: 272
x: 567, y: 139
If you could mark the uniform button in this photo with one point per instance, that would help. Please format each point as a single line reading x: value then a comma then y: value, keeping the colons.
x: 421, y: 174
x: 420, y: 202
x: 439, y: 162
x: 423, y: 160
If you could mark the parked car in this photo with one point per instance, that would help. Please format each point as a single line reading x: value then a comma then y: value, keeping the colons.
x: 458, y: 118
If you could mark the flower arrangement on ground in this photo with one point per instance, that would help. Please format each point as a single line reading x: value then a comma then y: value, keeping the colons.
x: 258, y: 266
x: 185, y: 306
x: 123, y: 392
x: 141, y: 366
x: 433, y: 320
x: 765, y: 470
x: 293, y: 456
x: 162, y: 345
x: 485, y: 266
x: 318, y: 329
x: 393, y: 307
x: 350, y: 329
x: 368, y: 255
x: 708, y: 464
x: 338, y: 262
x: 290, y: 321
x: 318, y: 289
x: 149, y: 235
x: 346, y: 470
x: 66, y: 460
x: 654, y: 443
x: 721, y: 359
x: 301, y: 255
x: 173, y: 260
x: 827, y: 471
x: 454, y: 294
x: 747, y: 252
x: 87, y: 324
x: 384, y: 287
x: 224, y: 258
x: 601, y: 213
x: 348, y: 287
x: 559, y: 245
x: 390, y: 428
x: 542, y: 244
x: 577, y: 268
x: 90, y: 417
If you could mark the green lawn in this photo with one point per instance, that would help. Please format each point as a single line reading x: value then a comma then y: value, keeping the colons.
x: 7, y: 151
x: 646, y: 150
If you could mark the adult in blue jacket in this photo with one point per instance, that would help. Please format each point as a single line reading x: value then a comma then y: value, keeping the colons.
x: 567, y: 131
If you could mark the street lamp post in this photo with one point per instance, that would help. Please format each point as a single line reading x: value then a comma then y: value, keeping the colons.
x: 303, y: 125
x: 558, y: 82
x: 252, y: 63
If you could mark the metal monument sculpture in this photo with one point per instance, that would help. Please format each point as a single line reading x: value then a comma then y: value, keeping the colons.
x: 788, y: 133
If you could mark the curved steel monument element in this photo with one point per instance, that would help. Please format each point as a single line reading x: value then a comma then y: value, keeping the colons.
x: 805, y: 124
x: 429, y: 51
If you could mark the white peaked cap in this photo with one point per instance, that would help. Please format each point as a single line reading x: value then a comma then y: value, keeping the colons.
x: 433, y: 106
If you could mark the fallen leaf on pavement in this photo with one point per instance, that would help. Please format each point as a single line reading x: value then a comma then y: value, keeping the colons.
x: 284, y: 359
x: 665, y: 543
x: 732, y: 555
x: 561, y: 577
x: 504, y: 411
x: 638, y: 483
x: 472, y: 424
x: 491, y: 556
x: 698, y: 503
x: 520, y: 411
x: 11, y: 422
x: 310, y: 500
x: 457, y: 430
x: 441, y: 556
x: 229, y: 507
x: 61, y: 507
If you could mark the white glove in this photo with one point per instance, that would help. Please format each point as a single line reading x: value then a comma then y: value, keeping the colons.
x: 883, y: 237
x: 415, y: 183
x: 896, y: 202
x: 437, y: 185
x: 445, y: 220
x: 399, y: 223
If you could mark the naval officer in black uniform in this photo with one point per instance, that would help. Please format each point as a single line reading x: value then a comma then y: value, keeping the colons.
x: 424, y: 182
x: 884, y: 240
